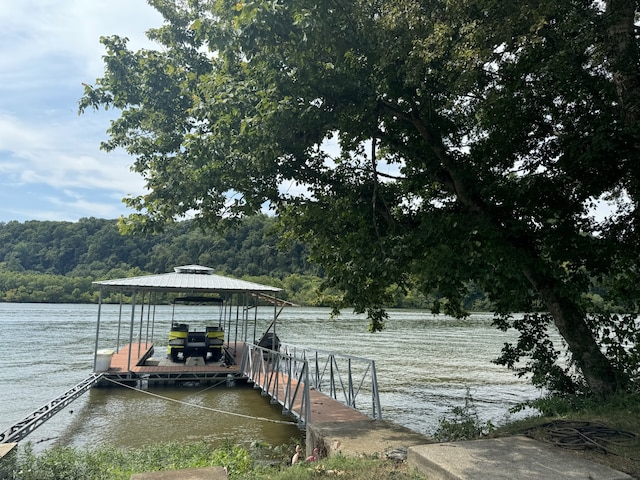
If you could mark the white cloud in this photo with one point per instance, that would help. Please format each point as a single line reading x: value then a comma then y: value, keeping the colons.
x: 59, y: 156
x: 49, y: 29
x: 50, y: 163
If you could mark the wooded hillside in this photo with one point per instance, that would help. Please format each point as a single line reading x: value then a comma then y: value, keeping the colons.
x: 46, y: 261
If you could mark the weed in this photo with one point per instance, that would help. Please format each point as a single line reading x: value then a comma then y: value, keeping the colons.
x: 464, y: 424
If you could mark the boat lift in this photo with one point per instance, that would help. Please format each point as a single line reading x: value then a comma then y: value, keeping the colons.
x: 189, y: 279
x: 237, y: 299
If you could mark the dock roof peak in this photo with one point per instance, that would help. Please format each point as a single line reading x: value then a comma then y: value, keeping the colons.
x: 194, y: 269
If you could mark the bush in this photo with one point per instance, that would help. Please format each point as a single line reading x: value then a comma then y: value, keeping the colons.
x: 110, y: 463
x: 464, y: 424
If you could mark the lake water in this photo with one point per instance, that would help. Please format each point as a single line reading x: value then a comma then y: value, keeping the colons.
x: 426, y: 365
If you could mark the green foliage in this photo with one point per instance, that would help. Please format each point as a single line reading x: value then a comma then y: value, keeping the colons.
x: 251, y: 250
x: 119, y: 464
x: 543, y: 357
x: 551, y: 368
x: 95, y: 247
x: 35, y: 267
x: 619, y: 336
x: 622, y: 409
x: 463, y: 423
x: 474, y: 140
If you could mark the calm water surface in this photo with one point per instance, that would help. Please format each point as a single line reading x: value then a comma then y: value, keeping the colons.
x: 425, y: 365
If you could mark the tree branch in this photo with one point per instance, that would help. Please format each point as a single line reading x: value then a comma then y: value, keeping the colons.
x: 456, y: 184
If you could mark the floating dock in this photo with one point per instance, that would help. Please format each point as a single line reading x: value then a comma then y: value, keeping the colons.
x: 317, y: 388
x: 136, y: 362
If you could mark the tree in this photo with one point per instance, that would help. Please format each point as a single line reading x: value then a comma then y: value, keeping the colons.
x: 476, y: 138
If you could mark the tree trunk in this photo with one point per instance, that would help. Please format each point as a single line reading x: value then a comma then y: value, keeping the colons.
x: 598, y: 371
x: 623, y: 56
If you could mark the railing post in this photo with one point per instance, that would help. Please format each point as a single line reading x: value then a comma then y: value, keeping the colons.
x: 307, y: 395
x: 288, y: 402
x: 375, y: 393
x: 332, y: 380
x: 316, y: 383
x: 265, y: 372
x: 351, y: 400
x: 275, y: 370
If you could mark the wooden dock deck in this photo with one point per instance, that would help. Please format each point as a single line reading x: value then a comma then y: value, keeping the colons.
x: 137, y: 361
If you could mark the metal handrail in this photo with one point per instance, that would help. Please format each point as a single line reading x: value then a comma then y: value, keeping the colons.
x: 283, y: 377
x: 288, y: 375
x: 333, y: 374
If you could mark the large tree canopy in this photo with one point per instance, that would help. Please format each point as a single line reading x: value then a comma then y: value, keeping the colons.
x: 477, y: 138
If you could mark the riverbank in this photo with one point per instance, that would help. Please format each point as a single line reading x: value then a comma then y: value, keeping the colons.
x: 608, y: 435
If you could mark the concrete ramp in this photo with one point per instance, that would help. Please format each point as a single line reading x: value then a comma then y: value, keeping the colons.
x: 509, y: 458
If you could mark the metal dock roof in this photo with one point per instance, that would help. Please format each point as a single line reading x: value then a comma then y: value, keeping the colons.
x: 188, y: 278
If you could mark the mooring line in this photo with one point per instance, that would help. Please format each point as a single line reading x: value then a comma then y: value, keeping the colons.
x: 224, y: 412
x: 211, y: 386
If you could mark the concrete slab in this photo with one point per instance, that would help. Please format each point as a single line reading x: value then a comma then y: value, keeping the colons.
x: 7, y: 459
x: 6, y: 448
x: 363, y: 437
x: 209, y: 473
x: 511, y: 458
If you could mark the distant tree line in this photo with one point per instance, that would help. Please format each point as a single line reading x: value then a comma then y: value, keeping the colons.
x: 56, y: 262
x: 51, y: 261
x: 94, y: 247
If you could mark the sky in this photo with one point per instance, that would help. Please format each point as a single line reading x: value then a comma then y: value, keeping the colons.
x: 51, y: 165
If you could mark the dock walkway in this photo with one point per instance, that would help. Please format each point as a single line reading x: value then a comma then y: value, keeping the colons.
x: 332, y: 426
x: 323, y: 408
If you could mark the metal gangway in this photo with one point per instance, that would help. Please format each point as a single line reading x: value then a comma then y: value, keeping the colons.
x: 19, y: 430
x: 290, y: 374
x: 350, y: 380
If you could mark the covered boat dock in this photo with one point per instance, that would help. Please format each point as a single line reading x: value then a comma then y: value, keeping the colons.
x: 214, y: 352
x: 229, y: 343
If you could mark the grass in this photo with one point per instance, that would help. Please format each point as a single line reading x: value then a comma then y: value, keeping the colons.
x: 259, y: 463
x: 607, y: 433
x: 340, y: 467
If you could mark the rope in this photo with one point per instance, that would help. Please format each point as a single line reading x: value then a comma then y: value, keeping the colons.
x: 583, y: 436
x: 211, y: 386
x: 224, y: 412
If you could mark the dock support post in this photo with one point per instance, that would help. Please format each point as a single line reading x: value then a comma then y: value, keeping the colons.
x: 95, y: 350
x: 133, y: 319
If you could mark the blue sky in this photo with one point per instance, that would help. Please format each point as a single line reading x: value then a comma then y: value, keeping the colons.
x: 51, y: 167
